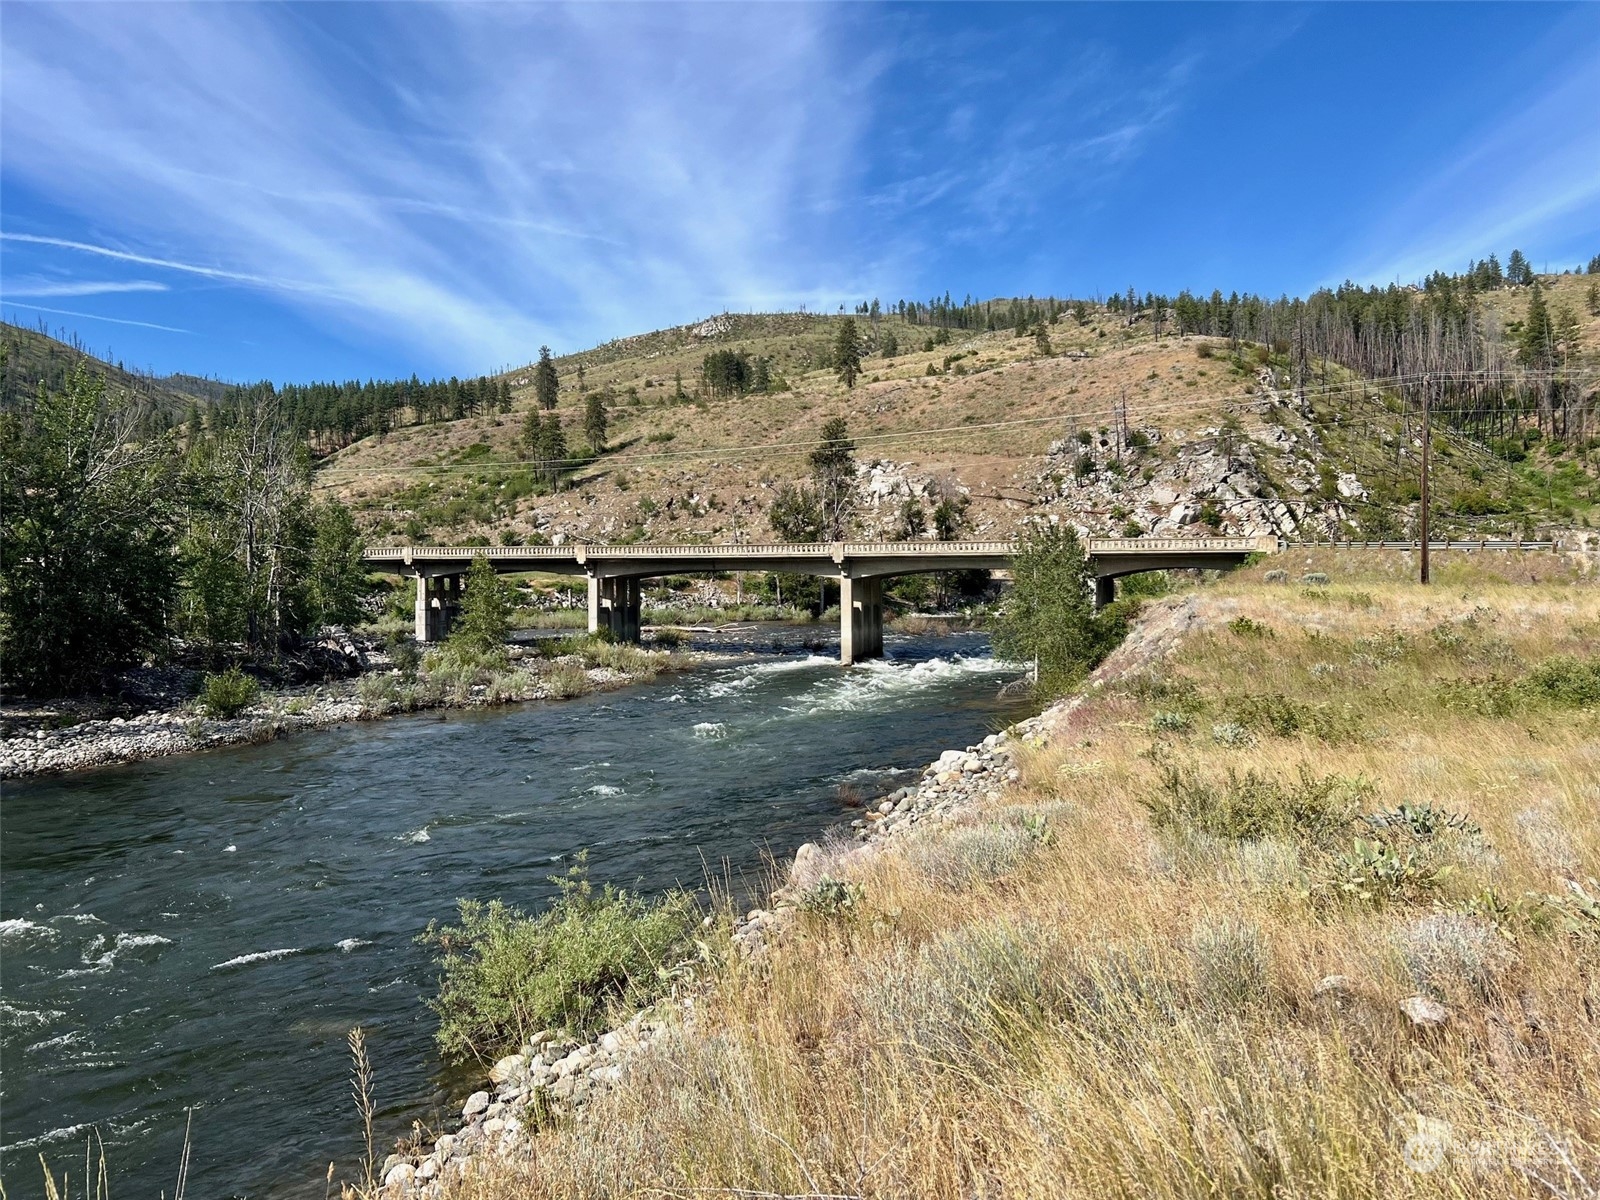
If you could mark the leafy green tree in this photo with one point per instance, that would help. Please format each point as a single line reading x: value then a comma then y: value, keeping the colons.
x: 87, y: 563
x: 485, y: 618
x: 594, y: 422
x: 847, y: 352
x: 546, y: 383
x: 949, y: 516
x: 913, y: 520
x: 1049, y: 617
x: 335, y: 578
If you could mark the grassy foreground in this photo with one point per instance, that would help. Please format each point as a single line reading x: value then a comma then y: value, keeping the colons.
x: 1332, y: 801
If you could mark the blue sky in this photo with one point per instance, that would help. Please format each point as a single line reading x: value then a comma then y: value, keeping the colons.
x: 333, y: 191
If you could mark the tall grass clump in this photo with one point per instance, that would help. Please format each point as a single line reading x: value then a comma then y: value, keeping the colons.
x: 1253, y: 805
x: 504, y: 976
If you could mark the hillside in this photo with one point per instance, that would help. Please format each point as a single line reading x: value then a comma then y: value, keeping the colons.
x: 1116, y: 429
x: 33, y: 357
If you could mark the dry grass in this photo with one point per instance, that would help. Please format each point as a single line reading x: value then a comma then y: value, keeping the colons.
x: 1126, y: 1010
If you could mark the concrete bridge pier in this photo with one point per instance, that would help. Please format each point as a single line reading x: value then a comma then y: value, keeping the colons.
x: 438, y: 605
x: 860, y: 619
x: 1105, y: 591
x: 614, y: 606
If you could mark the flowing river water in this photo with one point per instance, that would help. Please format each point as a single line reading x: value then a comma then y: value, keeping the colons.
x: 201, y: 932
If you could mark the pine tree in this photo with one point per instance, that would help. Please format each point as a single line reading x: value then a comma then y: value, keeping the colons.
x: 847, y: 352
x: 1537, y: 336
x: 594, y: 422
x: 546, y: 383
x: 833, y: 471
x: 1518, y: 272
x: 1594, y: 299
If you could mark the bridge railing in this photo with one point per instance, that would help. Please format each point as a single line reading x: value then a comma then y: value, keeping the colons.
x: 581, y: 552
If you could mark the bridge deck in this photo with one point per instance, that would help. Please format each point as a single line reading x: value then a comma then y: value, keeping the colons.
x: 856, y: 559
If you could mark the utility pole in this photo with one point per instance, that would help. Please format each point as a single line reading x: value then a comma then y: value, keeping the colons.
x: 1427, y: 455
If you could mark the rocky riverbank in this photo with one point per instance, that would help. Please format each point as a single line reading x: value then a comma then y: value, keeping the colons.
x: 40, y: 740
x: 554, y: 1076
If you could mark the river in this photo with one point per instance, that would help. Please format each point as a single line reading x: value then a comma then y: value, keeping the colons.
x: 202, y: 931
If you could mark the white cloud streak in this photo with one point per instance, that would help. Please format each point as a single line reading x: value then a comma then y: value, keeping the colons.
x: 44, y: 289
x: 67, y: 312
x: 475, y: 180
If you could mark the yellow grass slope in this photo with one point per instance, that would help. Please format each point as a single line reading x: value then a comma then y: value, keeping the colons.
x: 706, y: 468
x: 1104, y: 984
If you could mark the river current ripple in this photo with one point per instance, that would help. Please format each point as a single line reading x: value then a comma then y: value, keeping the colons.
x: 202, y: 931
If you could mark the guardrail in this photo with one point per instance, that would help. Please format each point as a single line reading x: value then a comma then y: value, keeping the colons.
x: 1462, y: 544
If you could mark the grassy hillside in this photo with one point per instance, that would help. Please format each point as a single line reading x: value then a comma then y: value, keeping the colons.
x: 34, y: 357
x: 989, y: 415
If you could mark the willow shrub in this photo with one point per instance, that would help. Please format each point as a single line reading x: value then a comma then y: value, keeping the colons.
x: 505, y: 975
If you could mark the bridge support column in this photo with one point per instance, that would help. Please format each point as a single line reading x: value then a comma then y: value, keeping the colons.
x: 614, y: 606
x: 438, y: 604
x: 860, y: 619
x: 625, y: 604
x: 1105, y: 591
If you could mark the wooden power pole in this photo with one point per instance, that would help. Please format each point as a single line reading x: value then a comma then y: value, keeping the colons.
x: 1427, y: 455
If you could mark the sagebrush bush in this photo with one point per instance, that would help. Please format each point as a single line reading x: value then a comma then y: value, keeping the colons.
x: 1230, y: 963
x: 955, y: 859
x: 378, y: 691
x: 968, y: 998
x: 229, y: 693
x: 1451, y: 956
x: 504, y: 976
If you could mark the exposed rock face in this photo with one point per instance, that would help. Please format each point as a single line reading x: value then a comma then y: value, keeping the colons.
x: 1170, y: 490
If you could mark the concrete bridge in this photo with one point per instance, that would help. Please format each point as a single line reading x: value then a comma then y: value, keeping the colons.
x: 615, y: 572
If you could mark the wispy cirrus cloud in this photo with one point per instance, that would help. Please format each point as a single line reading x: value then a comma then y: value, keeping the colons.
x: 612, y: 166
x: 34, y: 288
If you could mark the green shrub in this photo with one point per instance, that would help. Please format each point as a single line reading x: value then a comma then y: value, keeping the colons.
x: 1277, y: 714
x: 1569, y: 682
x: 829, y: 897
x: 1253, y: 806
x: 1246, y: 628
x: 228, y: 694
x: 504, y: 976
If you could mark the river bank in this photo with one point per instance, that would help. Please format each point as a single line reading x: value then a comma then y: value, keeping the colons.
x: 555, y: 1077
x: 62, y: 739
